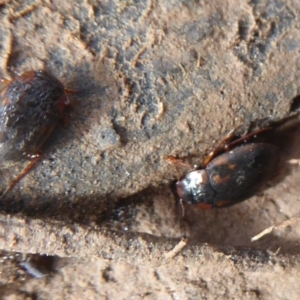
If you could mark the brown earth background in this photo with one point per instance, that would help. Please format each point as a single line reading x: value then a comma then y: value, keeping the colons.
x: 96, y: 216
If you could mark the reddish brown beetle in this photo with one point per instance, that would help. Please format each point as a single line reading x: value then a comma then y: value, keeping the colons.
x: 30, y: 107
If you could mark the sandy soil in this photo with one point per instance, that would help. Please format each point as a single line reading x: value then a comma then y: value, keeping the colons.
x: 97, y: 215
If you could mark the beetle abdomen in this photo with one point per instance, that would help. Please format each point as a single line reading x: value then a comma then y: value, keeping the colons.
x: 29, y: 110
x: 238, y: 174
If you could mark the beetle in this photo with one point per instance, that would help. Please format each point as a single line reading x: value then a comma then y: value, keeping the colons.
x: 30, y: 107
x: 235, y: 171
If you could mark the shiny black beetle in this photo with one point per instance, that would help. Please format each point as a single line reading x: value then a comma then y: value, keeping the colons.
x: 233, y: 172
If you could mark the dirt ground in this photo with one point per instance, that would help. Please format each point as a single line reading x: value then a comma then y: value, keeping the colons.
x: 97, y: 215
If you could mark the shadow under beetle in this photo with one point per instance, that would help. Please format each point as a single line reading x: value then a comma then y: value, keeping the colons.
x: 235, y: 171
x: 30, y: 107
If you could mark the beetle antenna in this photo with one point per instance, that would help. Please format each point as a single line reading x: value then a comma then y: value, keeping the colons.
x: 182, y: 208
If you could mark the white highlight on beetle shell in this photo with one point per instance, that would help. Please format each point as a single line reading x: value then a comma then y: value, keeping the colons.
x: 195, y: 178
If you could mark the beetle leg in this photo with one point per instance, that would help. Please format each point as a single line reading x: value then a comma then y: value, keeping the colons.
x: 246, y: 138
x: 71, y: 92
x: 179, y: 162
x: 5, y: 81
x: 221, y: 147
x: 63, y: 104
x: 26, y: 170
x: 230, y: 142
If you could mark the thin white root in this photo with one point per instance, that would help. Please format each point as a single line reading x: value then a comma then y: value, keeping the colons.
x: 276, y: 226
x: 294, y: 161
x: 176, y: 249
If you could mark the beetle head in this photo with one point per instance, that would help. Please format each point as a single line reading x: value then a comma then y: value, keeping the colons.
x: 195, y: 188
